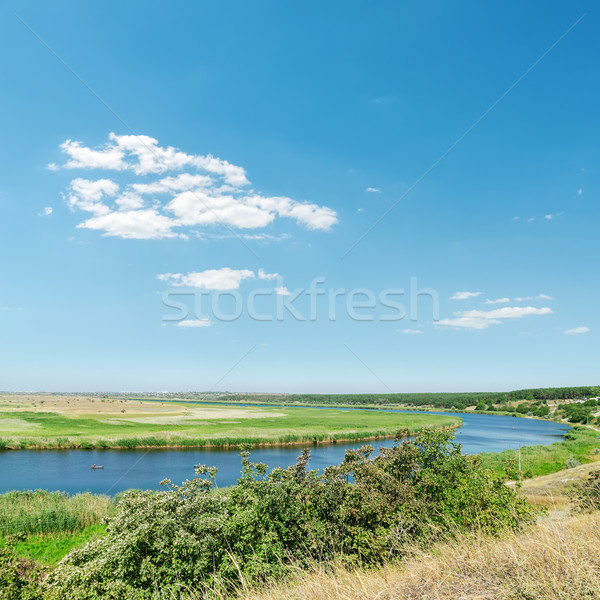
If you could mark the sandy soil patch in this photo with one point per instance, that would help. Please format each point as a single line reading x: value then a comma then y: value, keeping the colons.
x: 204, y: 414
x: 82, y: 405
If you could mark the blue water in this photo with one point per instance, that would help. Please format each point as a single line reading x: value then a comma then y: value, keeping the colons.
x: 69, y: 470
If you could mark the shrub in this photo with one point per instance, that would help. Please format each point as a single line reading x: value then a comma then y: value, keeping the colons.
x: 571, y: 462
x: 19, y: 579
x: 587, y: 494
x: 366, y: 510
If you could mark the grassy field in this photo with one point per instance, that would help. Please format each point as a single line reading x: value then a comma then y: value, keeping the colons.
x: 51, y: 524
x: 80, y: 422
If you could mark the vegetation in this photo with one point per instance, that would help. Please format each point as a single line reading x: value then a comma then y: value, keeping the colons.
x: 587, y: 494
x: 420, y: 520
x: 580, y: 444
x: 364, y: 512
x: 47, y: 512
x: 88, y: 423
x: 556, y: 560
x: 444, y: 400
x: 47, y: 549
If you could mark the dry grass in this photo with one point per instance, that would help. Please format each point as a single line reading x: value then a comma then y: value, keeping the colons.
x: 557, y: 560
x: 82, y: 405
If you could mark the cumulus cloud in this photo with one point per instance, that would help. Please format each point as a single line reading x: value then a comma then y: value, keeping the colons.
x: 411, y: 331
x: 88, y: 195
x: 498, y: 301
x: 267, y: 276
x: 132, y: 224
x: 46, y: 212
x: 281, y: 290
x: 211, y: 279
x: 481, y: 319
x: 464, y: 295
x: 374, y: 190
x: 194, y: 323
x: 577, y: 330
x: 142, y: 155
x: 188, y: 190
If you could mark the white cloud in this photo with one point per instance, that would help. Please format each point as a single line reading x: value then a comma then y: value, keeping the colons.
x: 142, y: 155
x: 577, y: 330
x: 498, y: 301
x: 411, y: 331
x: 211, y: 279
x: 282, y: 291
x: 529, y: 298
x: 48, y: 210
x: 579, y: 191
x: 87, y: 195
x: 481, y: 319
x: 374, y: 190
x: 133, y: 224
x: 548, y: 217
x: 218, y: 194
x: 267, y: 276
x: 194, y: 323
x: 361, y: 210
x: 464, y: 295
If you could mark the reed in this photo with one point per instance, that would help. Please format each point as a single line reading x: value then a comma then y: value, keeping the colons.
x: 41, y: 511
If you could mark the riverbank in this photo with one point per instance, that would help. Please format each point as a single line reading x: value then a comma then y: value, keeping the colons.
x: 56, y: 523
x: 90, y: 423
x: 581, y: 444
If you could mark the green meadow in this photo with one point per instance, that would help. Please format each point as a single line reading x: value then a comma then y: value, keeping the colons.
x: 93, y: 423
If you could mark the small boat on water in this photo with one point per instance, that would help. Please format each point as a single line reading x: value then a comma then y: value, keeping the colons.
x: 97, y: 467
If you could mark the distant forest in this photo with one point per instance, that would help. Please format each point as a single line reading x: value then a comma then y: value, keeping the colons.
x: 457, y: 400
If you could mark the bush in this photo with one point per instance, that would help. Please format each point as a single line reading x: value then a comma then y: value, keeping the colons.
x: 571, y: 462
x: 587, y: 495
x: 19, y: 579
x: 365, y: 510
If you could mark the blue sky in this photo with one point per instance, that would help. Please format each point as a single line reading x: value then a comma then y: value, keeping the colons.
x: 235, y: 152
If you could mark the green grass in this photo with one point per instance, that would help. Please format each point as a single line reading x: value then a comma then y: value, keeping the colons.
x: 49, y: 549
x: 204, y: 425
x: 543, y: 460
x: 51, y: 524
x: 45, y: 512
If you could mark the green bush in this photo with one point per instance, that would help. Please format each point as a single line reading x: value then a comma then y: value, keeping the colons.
x: 19, y: 579
x: 365, y: 510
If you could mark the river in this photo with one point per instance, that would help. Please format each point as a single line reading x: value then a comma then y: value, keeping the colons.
x: 69, y: 470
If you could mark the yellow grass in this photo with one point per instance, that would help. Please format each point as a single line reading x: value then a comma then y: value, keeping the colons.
x: 82, y: 405
x: 557, y: 560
